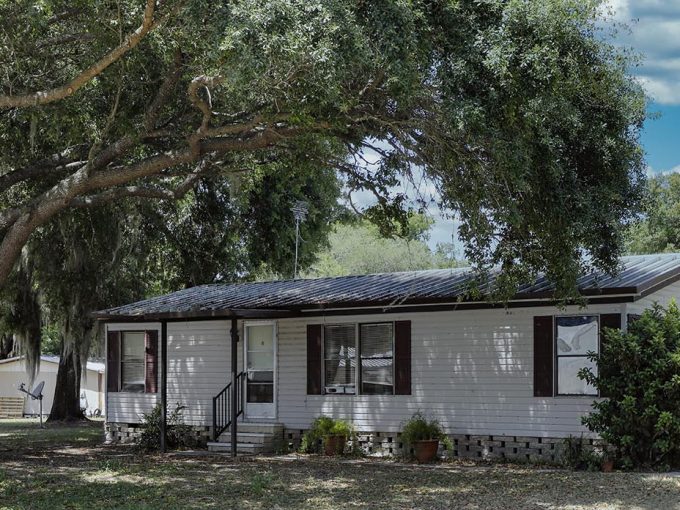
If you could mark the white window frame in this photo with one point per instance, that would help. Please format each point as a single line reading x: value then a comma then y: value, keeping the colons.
x: 120, y: 361
x: 556, y: 356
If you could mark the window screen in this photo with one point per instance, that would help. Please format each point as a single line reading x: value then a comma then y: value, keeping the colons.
x: 377, y: 359
x: 575, y: 337
x: 340, y: 356
x: 132, y: 362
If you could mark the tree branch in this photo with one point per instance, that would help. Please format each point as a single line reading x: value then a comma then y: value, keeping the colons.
x: 63, y: 160
x: 56, y: 94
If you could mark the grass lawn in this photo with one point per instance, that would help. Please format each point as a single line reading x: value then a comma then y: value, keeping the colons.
x: 68, y: 467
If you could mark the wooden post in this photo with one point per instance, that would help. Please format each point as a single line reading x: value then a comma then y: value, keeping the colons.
x: 234, y: 384
x: 164, y: 385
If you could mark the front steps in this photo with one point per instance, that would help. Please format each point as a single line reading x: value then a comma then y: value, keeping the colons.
x: 252, y: 439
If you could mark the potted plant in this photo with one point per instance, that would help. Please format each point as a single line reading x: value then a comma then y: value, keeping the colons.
x: 423, y: 436
x: 607, y: 461
x: 331, y: 433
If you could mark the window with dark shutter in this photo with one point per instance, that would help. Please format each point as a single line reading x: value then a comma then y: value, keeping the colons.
x: 402, y: 358
x: 133, y: 361
x: 612, y: 321
x: 112, y: 361
x: 151, y: 361
x: 314, y: 359
x: 543, y: 356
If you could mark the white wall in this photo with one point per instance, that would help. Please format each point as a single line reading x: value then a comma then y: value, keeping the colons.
x: 199, y: 364
x: 473, y: 370
x: 662, y: 296
x: 12, y: 374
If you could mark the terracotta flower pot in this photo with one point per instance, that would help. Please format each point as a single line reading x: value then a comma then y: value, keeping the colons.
x: 426, y: 451
x: 607, y: 466
x: 334, y: 445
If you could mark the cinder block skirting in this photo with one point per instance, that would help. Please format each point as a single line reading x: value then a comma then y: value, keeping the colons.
x: 483, y: 447
x: 129, y: 433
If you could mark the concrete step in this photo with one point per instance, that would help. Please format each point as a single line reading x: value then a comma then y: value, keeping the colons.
x: 241, y: 448
x: 262, y: 427
x: 248, y: 437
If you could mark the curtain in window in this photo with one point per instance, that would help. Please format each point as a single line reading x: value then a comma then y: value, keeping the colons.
x: 340, y: 355
x: 576, y: 337
x: 377, y: 359
x: 132, y: 362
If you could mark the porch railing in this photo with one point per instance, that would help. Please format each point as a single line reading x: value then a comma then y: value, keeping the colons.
x: 222, y: 406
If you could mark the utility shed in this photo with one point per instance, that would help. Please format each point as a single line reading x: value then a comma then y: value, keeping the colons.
x: 13, y: 372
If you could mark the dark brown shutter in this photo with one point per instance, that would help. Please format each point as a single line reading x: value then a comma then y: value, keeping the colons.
x: 112, y: 361
x: 151, y: 361
x: 314, y: 359
x: 402, y: 358
x: 608, y: 320
x: 543, y: 356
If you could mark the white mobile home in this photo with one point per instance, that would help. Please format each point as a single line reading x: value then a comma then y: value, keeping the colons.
x: 373, y: 349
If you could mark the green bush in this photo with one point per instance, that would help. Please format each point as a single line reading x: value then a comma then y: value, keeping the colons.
x: 419, y: 428
x: 577, y: 457
x: 639, y: 372
x: 178, y: 434
x: 322, y: 427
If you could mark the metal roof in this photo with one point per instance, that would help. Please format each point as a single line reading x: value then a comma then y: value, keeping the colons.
x: 639, y: 275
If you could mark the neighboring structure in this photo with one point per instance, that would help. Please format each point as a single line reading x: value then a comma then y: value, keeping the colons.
x: 13, y: 373
x: 373, y: 350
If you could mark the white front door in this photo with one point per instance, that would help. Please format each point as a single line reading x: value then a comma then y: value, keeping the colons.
x: 260, y: 363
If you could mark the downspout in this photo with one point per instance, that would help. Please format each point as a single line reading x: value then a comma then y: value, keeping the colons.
x: 234, y: 384
x: 164, y: 385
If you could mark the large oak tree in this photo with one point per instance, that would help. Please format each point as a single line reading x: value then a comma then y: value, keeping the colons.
x: 521, y: 113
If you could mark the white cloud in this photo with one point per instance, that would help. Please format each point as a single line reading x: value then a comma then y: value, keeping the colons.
x: 654, y: 32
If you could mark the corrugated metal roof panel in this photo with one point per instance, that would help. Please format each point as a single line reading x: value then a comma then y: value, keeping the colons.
x: 432, y: 286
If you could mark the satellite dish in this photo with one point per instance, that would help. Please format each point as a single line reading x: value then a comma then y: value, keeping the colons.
x: 36, y: 394
x: 37, y: 391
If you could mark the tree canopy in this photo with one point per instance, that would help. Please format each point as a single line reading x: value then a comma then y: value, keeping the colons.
x: 658, y: 228
x: 521, y: 113
x: 357, y: 247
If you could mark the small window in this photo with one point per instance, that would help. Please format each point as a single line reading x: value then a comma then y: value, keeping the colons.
x: 340, y: 358
x: 575, y: 338
x: 377, y: 360
x: 132, y: 362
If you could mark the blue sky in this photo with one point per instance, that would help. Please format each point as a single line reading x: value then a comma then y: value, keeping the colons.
x: 654, y: 31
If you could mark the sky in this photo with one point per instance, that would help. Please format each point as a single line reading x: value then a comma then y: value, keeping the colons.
x: 654, y: 31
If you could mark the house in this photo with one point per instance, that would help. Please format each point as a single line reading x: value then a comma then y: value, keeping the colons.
x: 373, y: 350
x: 13, y: 372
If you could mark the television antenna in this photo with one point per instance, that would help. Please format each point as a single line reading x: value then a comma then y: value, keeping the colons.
x: 300, y: 210
x: 36, y: 394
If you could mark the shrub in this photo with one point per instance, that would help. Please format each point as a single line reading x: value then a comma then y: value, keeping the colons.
x: 639, y: 372
x: 419, y: 428
x: 577, y: 457
x: 322, y: 427
x: 178, y: 434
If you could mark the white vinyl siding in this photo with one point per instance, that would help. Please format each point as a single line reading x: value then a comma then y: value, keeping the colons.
x: 473, y: 370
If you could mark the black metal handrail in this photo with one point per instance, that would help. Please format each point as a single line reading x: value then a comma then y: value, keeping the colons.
x: 222, y: 406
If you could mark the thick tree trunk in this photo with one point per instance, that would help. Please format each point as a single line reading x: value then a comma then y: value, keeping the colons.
x: 66, y: 405
x: 6, y: 345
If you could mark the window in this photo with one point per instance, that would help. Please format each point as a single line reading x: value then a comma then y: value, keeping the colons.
x: 377, y: 359
x: 576, y: 336
x: 132, y: 374
x: 375, y: 345
x: 340, y: 358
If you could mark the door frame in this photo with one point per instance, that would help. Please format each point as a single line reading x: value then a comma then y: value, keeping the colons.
x: 275, y: 361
